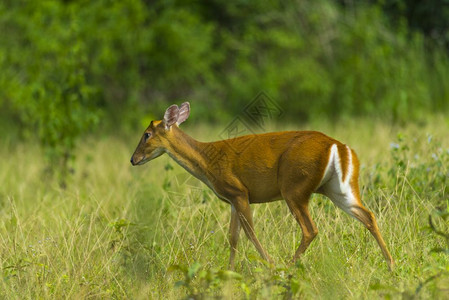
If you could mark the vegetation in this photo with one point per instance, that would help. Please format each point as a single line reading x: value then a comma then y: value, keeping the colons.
x: 118, y: 231
x: 315, y: 57
x: 81, y: 79
x: 65, y: 62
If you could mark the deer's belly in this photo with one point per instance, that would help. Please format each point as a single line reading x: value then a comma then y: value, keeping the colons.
x: 265, y: 192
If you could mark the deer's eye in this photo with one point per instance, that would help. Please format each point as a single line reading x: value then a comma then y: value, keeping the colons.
x: 147, y: 135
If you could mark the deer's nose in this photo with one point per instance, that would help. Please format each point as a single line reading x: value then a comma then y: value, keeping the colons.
x: 132, y: 161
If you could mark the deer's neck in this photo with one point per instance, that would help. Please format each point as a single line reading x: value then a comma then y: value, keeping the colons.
x: 189, y: 153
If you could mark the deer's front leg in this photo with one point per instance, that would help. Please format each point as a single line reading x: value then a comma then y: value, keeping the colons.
x: 246, y: 220
x: 234, y: 231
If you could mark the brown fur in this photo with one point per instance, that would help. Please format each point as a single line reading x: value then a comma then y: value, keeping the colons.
x: 257, y: 169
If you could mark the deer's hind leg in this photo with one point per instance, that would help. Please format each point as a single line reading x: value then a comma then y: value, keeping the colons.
x: 351, y: 204
x: 345, y: 194
x: 298, y: 201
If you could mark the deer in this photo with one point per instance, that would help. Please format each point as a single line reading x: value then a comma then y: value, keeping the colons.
x: 261, y: 168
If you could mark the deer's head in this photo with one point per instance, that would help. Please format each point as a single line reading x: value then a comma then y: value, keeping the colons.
x: 157, y: 136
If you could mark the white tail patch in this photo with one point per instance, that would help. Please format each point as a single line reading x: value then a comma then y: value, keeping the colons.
x: 350, y: 168
x: 335, y: 184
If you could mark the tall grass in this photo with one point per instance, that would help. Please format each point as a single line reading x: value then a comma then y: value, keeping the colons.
x: 116, y: 231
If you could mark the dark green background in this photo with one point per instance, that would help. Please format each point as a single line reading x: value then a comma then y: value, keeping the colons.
x: 66, y: 66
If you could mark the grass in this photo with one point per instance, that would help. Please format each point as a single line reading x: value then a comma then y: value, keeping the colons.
x: 154, y: 232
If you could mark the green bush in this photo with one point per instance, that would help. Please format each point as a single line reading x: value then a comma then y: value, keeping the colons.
x: 315, y: 58
x: 64, y: 62
x: 45, y: 78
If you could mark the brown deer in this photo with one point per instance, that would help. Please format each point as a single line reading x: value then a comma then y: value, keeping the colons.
x: 262, y: 168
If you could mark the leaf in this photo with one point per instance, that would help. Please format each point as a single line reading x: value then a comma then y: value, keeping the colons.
x: 442, y: 214
x: 294, y: 286
x: 119, y: 224
x: 173, y: 268
x: 180, y: 283
x: 381, y: 287
x: 13, y: 221
x: 193, y: 269
x: 168, y: 167
x: 205, y: 275
x: 435, y: 230
x: 226, y: 274
x: 246, y: 289
x: 440, y: 250
x: 299, y: 265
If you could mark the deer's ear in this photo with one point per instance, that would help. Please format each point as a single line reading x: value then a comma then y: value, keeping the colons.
x: 184, y: 112
x: 171, y: 116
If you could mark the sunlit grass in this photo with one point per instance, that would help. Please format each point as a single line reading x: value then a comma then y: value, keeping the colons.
x: 116, y: 230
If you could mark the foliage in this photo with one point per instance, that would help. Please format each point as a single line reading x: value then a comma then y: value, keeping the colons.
x: 210, y: 280
x: 315, y: 57
x: 274, y: 282
x: 430, y: 17
x: 441, y: 271
x: 65, y: 62
x: 423, y: 168
x: 44, y: 77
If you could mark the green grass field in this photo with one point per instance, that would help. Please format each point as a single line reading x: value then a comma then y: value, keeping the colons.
x: 154, y: 232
